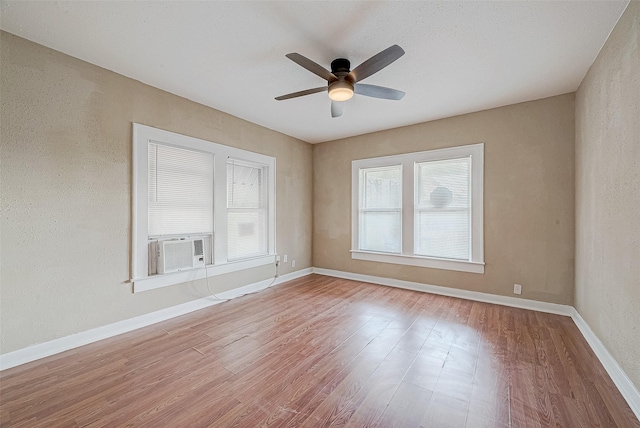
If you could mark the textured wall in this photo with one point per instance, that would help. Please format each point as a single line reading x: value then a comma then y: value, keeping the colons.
x: 528, y: 197
x: 608, y: 194
x: 66, y: 190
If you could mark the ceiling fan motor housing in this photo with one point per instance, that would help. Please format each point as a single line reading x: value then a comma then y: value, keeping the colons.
x: 341, y: 89
x: 340, y: 65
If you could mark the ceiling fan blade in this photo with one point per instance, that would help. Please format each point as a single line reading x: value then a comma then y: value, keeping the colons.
x: 376, y: 63
x: 316, y: 69
x: 378, y: 91
x: 301, y: 93
x: 336, y: 108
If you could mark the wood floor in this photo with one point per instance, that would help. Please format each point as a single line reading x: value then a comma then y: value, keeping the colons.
x: 321, y: 351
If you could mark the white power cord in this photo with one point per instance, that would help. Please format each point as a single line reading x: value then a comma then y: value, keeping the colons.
x: 206, y: 275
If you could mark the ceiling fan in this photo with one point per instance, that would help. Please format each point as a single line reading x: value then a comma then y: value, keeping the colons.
x: 342, y: 82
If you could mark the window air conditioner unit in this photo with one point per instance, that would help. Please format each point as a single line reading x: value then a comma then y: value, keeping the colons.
x: 180, y: 254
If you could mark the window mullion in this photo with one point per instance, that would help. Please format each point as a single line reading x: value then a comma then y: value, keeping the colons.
x: 220, y: 210
x: 408, y: 185
x: 380, y: 210
x: 477, y: 205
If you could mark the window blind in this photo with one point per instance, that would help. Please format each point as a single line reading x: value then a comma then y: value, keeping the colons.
x: 246, y: 210
x: 381, y: 209
x: 180, y: 191
x: 443, y: 215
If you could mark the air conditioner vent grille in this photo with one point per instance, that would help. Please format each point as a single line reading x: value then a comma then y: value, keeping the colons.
x: 180, y: 254
x: 198, y: 247
x: 177, y: 256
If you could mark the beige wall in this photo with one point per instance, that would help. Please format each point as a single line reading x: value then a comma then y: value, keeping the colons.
x: 528, y: 197
x: 66, y: 179
x: 608, y: 194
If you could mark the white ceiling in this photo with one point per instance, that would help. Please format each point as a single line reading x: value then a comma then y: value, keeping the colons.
x: 461, y: 56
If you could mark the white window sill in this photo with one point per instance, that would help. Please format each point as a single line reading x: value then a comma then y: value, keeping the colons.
x: 159, y: 281
x: 457, y: 265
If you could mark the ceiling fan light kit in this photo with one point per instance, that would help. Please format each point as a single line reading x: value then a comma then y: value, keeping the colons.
x: 342, y: 82
x: 340, y: 90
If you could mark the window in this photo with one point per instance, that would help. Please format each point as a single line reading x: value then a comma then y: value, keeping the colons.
x: 180, y: 191
x: 246, y: 210
x: 184, y: 188
x: 381, y: 211
x: 443, y: 209
x: 421, y: 209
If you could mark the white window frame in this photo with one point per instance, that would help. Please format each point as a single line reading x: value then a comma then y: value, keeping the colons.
x: 141, y: 280
x: 361, y: 209
x: 475, y: 264
x: 264, y: 195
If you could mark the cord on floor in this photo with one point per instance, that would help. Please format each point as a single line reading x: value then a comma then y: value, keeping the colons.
x: 215, y: 296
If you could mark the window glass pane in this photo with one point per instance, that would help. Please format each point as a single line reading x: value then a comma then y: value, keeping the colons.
x: 380, y: 231
x: 443, y: 184
x: 442, y: 213
x: 380, y: 213
x: 382, y: 187
x: 180, y: 189
x: 246, y: 233
x: 244, y: 186
x: 443, y: 234
x: 246, y: 211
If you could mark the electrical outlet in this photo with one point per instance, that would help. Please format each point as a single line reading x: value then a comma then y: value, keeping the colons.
x: 277, y: 258
x: 293, y: 263
x: 285, y: 258
x: 517, y: 289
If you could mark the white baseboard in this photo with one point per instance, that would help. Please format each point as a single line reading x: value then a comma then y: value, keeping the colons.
x: 41, y: 350
x: 617, y: 374
x: 516, y: 302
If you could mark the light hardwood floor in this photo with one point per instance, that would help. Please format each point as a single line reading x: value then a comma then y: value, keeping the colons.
x: 321, y: 351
